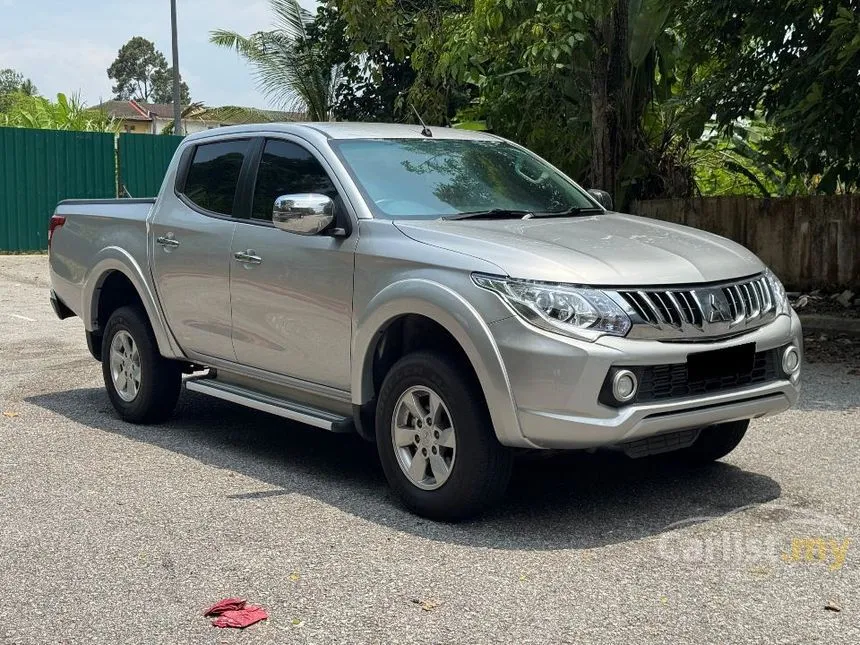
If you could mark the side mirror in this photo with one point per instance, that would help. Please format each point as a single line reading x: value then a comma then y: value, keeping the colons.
x: 603, y: 198
x: 303, y: 214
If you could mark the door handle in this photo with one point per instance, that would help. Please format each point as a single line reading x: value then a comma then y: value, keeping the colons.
x: 167, y: 241
x: 248, y: 257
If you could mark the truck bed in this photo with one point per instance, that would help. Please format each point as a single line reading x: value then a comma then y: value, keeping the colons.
x: 95, y: 231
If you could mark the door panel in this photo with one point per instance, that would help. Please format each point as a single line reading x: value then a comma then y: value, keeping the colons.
x: 292, y: 313
x: 193, y: 279
x: 191, y: 237
x: 292, y: 295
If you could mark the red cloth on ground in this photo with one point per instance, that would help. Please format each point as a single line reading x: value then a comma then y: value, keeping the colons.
x: 227, y: 604
x: 241, y: 618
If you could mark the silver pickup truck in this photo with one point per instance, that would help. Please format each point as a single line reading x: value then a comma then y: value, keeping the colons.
x: 447, y: 295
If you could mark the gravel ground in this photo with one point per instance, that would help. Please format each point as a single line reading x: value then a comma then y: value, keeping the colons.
x: 831, y: 348
x: 112, y: 533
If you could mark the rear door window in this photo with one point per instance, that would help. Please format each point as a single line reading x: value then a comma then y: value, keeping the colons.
x: 213, y: 175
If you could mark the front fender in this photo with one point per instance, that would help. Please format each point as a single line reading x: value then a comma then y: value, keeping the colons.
x: 114, y: 258
x: 448, y: 308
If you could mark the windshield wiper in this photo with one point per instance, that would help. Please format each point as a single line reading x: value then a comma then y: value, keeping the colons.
x: 495, y: 213
x: 572, y: 212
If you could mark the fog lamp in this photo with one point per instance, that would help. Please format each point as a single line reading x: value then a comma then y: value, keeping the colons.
x: 624, y: 385
x: 790, y: 360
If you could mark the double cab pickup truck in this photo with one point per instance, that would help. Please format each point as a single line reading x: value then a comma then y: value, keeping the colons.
x: 445, y: 294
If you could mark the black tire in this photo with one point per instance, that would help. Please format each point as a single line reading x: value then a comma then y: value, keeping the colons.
x: 481, y: 469
x: 714, y: 442
x: 160, y: 378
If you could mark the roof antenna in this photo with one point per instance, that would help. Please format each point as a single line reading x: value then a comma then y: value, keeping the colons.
x: 426, y: 131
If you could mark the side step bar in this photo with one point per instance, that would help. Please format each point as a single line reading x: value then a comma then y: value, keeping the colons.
x: 271, y: 404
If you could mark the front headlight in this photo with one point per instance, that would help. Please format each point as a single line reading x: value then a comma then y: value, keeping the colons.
x: 573, y: 311
x: 780, y: 299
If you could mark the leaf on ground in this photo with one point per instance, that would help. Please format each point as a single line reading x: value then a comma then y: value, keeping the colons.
x: 297, y: 622
x: 294, y: 576
x: 11, y: 415
x: 426, y: 605
x: 761, y: 570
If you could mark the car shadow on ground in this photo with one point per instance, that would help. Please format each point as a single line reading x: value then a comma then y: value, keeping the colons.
x: 562, y: 501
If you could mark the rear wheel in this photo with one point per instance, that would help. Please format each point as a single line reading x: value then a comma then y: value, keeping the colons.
x: 436, y: 440
x: 142, y: 385
x: 714, y: 442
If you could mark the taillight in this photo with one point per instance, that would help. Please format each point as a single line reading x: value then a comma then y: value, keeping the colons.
x: 56, y: 222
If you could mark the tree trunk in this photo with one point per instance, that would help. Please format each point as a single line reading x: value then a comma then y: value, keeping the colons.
x: 601, y: 153
x: 609, y: 71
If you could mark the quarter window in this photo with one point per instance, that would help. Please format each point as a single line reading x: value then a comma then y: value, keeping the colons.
x: 287, y: 169
x: 214, y: 175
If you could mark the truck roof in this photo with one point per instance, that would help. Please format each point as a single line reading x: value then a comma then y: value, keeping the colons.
x: 348, y: 130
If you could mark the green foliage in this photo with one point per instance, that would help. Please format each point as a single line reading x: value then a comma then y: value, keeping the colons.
x: 645, y: 98
x: 140, y: 72
x: 747, y: 162
x: 373, y: 82
x: 794, y: 61
x: 13, y: 83
x: 577, y: 82
x: 162, y: 87
x: 67, y: 113
x: 288, y: 69
x: 413, y: 33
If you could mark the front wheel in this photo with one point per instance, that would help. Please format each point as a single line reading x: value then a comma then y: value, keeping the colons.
x: 436, y: 441
x: 142, y: 385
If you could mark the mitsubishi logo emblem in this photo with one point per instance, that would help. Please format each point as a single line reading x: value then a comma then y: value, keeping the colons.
x: 718, y: 309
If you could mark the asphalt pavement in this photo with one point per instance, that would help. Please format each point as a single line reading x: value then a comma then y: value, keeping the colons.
x: 114, y: 533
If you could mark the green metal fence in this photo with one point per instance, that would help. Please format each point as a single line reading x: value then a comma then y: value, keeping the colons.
x: 143, y: 160
x: 38, y: 168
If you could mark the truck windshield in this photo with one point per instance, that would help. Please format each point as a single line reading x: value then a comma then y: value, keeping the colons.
x: 433, y: 178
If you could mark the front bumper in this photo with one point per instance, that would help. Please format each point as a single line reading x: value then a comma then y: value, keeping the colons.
x: 556, y: 384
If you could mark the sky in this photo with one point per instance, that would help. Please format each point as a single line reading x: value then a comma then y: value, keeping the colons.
x: 67, y: 46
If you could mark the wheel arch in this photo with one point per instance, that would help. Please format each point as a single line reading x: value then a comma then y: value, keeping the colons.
x: 408, y: 303
x: 117, y: 280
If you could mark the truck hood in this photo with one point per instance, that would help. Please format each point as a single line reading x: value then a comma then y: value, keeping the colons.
x: 610, y: 249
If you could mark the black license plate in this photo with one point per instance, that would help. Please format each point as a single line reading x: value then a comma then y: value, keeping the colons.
x: 731, y: 361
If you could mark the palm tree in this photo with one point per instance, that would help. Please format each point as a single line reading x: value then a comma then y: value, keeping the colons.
x: 287, y: 68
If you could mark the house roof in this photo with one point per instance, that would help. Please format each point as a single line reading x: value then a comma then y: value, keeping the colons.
x: 228, y: 115
x: 126, y: 110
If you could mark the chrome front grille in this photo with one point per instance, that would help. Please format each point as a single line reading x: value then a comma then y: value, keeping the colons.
x: 748, y: 300
x: 698, y: 313
x: 671, y: 308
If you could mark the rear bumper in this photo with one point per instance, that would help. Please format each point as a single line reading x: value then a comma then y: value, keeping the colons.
x: 557, y: 381
x: 60, y: 307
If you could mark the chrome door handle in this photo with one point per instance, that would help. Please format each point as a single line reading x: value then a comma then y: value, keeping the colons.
x: 168, y: 241
x: 248, y: 257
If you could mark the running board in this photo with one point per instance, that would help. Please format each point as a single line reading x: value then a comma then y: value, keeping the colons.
x: 272, y: 405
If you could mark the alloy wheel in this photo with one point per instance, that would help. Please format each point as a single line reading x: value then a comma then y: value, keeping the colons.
x: 424, y: 437
x: 125, y: 366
